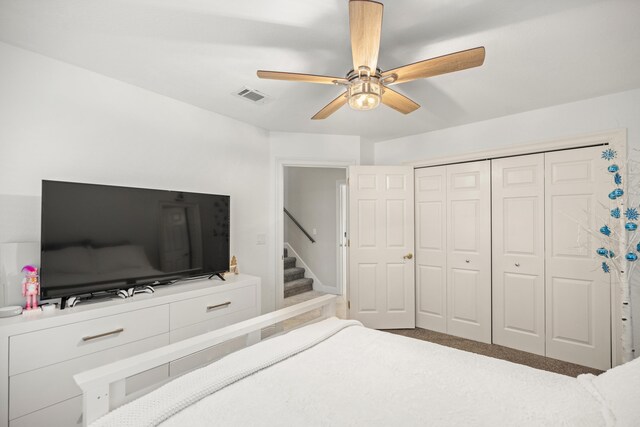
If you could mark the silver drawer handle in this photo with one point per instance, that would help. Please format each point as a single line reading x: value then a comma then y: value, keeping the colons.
x: 105, y: 334
x: 467, y: 261
x: 517, y: 264
x: 213, y: 307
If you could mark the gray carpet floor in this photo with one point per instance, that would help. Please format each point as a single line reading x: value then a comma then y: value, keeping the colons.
x: 498, y: 351
x: 491, y: 350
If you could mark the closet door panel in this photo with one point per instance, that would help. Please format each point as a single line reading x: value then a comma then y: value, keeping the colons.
x: 431, y: 255
x: 518, y: 252
x: 469, y: 250
x: 577, y: 292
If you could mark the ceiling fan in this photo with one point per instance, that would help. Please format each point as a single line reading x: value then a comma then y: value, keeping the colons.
x: 366, y: 85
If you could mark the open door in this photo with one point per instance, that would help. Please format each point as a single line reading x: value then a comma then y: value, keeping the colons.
x: 381, y: 262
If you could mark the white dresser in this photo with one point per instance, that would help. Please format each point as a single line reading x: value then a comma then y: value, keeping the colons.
x: 41, y: 352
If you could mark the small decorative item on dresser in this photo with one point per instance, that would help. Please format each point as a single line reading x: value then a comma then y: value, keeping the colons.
x: 31, y: 286
x: 233, y: 265
x: 12, y: 310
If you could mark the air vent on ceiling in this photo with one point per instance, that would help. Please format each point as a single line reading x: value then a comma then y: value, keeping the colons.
x: 252, y: 95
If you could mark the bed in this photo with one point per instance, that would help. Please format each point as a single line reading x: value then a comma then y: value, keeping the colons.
x: 337, y: 372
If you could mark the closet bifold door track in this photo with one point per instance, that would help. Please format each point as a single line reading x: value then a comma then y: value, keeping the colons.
x: 517, y: 187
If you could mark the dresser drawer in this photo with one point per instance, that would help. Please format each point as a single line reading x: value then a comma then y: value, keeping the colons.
x: 52, y: 384
x: 211, y: 325
x: 205, y: 357
x: 68, y: 413
x: 49, y: 346
x: 65, y: 414
x: 195, y: 310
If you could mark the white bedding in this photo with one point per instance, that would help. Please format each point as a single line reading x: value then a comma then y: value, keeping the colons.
x: 337, y: 372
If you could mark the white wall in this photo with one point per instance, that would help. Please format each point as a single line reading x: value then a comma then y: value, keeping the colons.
x: 309, y: 146
x: 367, y: 152
x: 619, y: 110
x: 61, y: 122
x: 310, y: 195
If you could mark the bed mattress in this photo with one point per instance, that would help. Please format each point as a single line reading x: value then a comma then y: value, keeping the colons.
x: 339, y: 373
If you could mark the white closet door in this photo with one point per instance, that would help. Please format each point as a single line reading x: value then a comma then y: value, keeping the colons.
x: 431, y: 248
x: 381, y: 264
x: 577, y: 293
x: 469, y: 250
x: 518, y: 252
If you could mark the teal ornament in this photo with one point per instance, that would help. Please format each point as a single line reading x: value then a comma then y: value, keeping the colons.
x: 638, y: 247
x: 618, y: 192
x: 609, y: 154
x: 613, y: 168
x: 617, y: 178
x: 632, y: 214
x: 605, y: 230
x: 612, y: 195
x: 631, y: 257
x: 615, y: 213
x: 605, y: 267
x: 631, y: 226
x: 605, y: 253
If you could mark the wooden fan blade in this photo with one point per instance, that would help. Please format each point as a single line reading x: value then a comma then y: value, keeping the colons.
x: 297, y: 77
x: 398, y: 102
x: 365, y: 21
x: 435, y: 66
x: 331, y: 107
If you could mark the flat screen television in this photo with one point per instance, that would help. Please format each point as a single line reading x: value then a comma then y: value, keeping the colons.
x: 99, y: 237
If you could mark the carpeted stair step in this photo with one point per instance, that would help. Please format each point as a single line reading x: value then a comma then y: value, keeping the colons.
x: 289, y: 262
x: 294, y: 273
x: 298, y: 286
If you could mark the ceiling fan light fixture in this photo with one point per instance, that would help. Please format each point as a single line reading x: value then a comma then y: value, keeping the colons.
x: 365, y: 95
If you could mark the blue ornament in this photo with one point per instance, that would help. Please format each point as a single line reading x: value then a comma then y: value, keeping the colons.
x: 638, y: 247
x: 617, y: 178
x: 612, y: 195
x: 631, y: 214
x: 618, y: 192
x: 615, y: 213
x: 609, y: 154
x: 605, y: 267
x: 613, y: 168
x: 631, y: 256
x: 605, y: 253
x: 605, y: 230
x: 631, y: 226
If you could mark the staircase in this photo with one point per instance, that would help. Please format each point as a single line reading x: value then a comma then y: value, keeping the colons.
x: 294, y: 281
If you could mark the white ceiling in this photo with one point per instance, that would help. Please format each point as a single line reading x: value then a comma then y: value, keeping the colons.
x: 539, y: 53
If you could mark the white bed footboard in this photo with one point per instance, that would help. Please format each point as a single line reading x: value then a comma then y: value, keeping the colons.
x: 103, y: 388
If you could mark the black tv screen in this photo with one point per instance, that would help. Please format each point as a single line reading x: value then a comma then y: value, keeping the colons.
x: 99, y: 237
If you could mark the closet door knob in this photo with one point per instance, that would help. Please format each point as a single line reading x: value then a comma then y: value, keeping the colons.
x: 467, y: 261
x: 517, y: 264
x: 408, y: 256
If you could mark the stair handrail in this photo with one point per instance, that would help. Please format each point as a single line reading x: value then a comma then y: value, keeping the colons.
x: 295, y: 221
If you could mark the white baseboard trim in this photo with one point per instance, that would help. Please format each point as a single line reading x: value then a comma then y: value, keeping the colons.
x: 317, y: 284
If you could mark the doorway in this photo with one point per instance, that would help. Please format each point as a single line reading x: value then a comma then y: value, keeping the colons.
x: 311, y: 228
